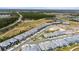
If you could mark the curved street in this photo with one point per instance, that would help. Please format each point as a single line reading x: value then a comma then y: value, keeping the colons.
x: 16, y: 47
x: 10, y: 25
x: 74, y: 48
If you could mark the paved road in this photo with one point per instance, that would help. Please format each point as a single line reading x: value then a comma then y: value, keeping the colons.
x: 28, y: 42
x: 19, y: 19
x: 16, y: 47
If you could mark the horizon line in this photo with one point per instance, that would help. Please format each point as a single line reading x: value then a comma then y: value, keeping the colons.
x: 59, y: 8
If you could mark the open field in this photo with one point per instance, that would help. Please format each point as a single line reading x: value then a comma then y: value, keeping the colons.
x: 27, y: 24
x: 61, y: 35
x: 76, y: 49
x: 22, y: 27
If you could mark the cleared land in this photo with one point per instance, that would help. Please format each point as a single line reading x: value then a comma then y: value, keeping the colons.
x: 76, y: 49
x: 32, y: 20
x: 22, y: 27
x: 35, y: 19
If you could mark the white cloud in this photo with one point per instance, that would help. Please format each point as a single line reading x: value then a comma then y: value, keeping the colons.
x: 39, y: 3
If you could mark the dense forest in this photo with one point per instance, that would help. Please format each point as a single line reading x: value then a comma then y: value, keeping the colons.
x: 6, y: 21
x: 35, y: 15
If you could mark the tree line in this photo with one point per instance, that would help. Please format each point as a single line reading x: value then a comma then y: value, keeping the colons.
x: 6, y: 21
x: 35, y: 15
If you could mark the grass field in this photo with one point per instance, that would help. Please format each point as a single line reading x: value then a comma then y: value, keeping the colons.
x: 77, y: 49
x: 22, y: 27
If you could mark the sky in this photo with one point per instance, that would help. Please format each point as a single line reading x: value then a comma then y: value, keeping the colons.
x: 39, y: 3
